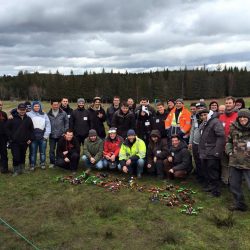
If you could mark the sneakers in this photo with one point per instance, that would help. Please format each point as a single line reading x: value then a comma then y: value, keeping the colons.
x: 51, y: 165
x: 139, y: 176
x: 32, y: 168
x: 43, y: 166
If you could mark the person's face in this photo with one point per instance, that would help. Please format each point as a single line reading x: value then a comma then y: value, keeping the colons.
x: 130, y: 102
x: 93, y: 138
x: 65, y: 102
x: 160, y: 109
x: 221, y: 109
x: 214, y: 107
x: 69, y: 136
x: 170, y: 105
x: 154, y: 138
x: 175, y: 142
x: 179, y: 105
x: 144, y: 102
x: 97, y: 103
x: 193, y: 109
x: 21, y: 112
x: 238, y: 105
x: 124, y: 109
x: 203, y: 116
x: 116, y: 102
x: 131, y: 138
x: 81, y: 104
x: 55, y: 105
x: 1, y: 105
x: 243, y: 121
x: 112, y: 136
x: 229, y: 104
x: 36, y: 107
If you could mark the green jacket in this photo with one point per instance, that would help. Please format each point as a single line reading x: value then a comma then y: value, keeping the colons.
x: 93, y: 149
x: 137, y: 150
x: 238, y: 146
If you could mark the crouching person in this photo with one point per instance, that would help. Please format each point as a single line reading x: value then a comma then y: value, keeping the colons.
x: 238, y: 149
x: 68, y: 151
x: 132, y: 154
x: 112, y: 145
x: 92, y: 151
x: 157, y: 153
x: 179, y: 162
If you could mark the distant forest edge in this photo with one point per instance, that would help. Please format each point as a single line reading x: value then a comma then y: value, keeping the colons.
x: 188, y: 84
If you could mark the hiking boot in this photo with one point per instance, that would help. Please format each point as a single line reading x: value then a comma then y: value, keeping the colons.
x: 15, y: 171
x: 139, y: 176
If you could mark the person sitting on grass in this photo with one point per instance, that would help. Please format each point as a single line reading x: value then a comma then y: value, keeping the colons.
x: 112, y: 145
x: 92, y: 151
x: 68, y: 151
x: 179, y: 162
x: 132, y: 154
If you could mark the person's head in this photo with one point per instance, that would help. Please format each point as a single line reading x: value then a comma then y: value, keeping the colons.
x: 131, y: 135
x: 124, y: 107
x: 222, y: 109
x: 36, y: 106
x: 65, y: 102
x: 171, y: 103
x: 112, y: 133
x: 193, y: 108
x: 160, y: 107
x: 1, y: 105
x: 54, y: 105
x: 200, y: 106
x: 229, y: 103
x: 175, y: 140
x: 130, y: 102
x: 28, y: 106
x: 244, y: 117
x: 214, y: 106
x: 116, y: 101
x: 92, y: 135
x: 69, y: 135
x: 179, y: 103
x: 144, y: 101
x: 155, y: 135
x: 97, y: 102
x: 21, y: 109
x: 80, y: 102
x: 203, y: 114
x: 240, y: 103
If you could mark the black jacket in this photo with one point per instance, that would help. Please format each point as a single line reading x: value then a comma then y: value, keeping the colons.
x: 80, y: 122
x: 110, y: 112
x: 19, y: 130
x: 123, y: 122
x: 96, y: 122
x: 159, y: 123
x: 70, y: 146
x: 182, y: 159
x: 3, y: 121
x: 212, y: 140
x: 68, y: 110
x: 158, y: 149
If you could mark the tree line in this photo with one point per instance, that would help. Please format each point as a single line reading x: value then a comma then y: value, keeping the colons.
x: 162, y: 85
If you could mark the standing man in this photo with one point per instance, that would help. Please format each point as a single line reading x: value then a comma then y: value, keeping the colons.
x: 211, y: 146
x: 42, y: 129
x: 112, y: 109
x: 65, y: 106
x: 19, y: 131
x: 230, y: 115
x: 3, y: 141
x: 59, y: 124
x: 144, y: 102
x: 131, y: 105
x: 80, y: 121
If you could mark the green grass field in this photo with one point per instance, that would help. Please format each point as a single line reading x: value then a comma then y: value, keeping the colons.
x: 62, y: 216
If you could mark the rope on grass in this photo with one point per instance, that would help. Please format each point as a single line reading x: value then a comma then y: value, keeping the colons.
x: 19, y: 234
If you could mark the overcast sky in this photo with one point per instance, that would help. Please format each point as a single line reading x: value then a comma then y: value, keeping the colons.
x: 132, y: 35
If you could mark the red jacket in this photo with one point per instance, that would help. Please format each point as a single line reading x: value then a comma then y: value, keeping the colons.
x: 112, y: 147
x: 227, y: 120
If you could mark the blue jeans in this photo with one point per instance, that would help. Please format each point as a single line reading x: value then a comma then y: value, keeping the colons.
x: 135, y: 166
x: 88, y: 164
x: 109, y: 164
x: 41, y: 144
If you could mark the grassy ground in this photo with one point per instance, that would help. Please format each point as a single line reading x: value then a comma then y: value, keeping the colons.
x: 61, y: 216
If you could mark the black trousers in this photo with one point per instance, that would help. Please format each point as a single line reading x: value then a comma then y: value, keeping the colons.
x: 197, y: 161
x: 18, y: 151
x: 72, y: 165
x: 211, y: 172
x: 3, y: 153
x: 81, y: 139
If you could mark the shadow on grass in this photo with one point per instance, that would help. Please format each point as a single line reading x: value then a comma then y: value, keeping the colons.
x: 220, y: 221
x: 108, y: 210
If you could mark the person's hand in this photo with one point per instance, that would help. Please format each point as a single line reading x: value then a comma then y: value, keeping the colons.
x: 170, y: 158
x: 155, y: 159
x: 100, y: 115
x: 128, y: 162
x: 190, y: 146
x: 28, y: 142
x: 112, y: 158
x: 66, y: 159
x: 107, y: 157
x: 92, y: 160
x: 10, y: 117
x: 149, y: 166
x: 124, y: 169
x: 65, y: 152
x: 171, y: 171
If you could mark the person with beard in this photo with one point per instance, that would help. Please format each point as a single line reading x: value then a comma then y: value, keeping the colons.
x: 80, y: 121
x: 131, y: 105
x: 211, y: 146
x: 159, y: 119
x: 3, y: 140
x: 65, y: 107
x: 157, y: 153
x: 144, y: 124
x: 97, y: 117
x: 112, y: 109
x: 179, y: 160
x: 230, y: 115
x: 123, y: 120
x: 171, y: 104
x: 238, y: 149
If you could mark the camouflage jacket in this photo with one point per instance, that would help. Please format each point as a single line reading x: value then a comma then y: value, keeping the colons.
x: 238, y: 146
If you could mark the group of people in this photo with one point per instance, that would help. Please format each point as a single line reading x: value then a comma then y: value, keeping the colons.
x: 139, y: 139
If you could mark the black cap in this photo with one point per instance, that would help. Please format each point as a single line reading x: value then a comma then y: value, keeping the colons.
x: 21, y: 106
